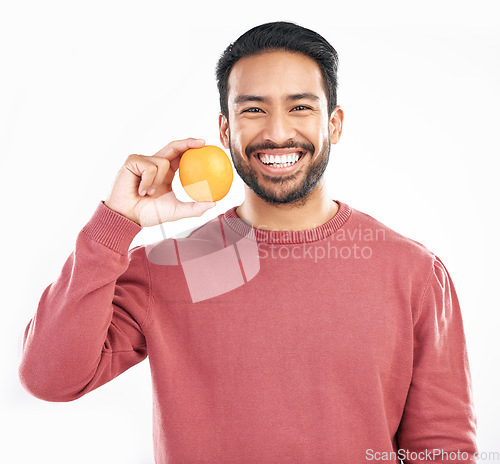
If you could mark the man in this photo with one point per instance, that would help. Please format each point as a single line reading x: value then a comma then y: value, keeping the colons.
x: 290, y: 329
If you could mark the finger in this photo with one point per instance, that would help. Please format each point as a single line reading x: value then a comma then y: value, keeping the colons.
x: 162, y: 165
x: 148, y: 173
x: 168, y: 208
x: 191, y: 208
x: 178, y: 147
x: 174, y: 164
x: 142, y: 167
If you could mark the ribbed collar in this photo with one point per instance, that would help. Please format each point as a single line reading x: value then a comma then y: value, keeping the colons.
x: 288, y: 236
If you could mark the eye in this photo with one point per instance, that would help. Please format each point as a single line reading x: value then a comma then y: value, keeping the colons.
x: 301, y: 108
x: 252, y: 110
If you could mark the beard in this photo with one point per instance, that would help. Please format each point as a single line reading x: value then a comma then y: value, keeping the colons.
x: 288, y: 189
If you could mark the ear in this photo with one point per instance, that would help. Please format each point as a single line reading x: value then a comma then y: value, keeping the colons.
x: 336, y: 124
x: 223, y: 131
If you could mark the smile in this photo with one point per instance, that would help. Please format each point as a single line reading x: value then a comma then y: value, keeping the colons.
x: 280, y: 160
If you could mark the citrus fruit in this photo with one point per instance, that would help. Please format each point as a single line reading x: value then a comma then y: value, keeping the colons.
x: 206, y: 173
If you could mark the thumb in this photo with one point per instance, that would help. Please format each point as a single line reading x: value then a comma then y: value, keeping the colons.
x: 192, y: 208
x: 168, y: 208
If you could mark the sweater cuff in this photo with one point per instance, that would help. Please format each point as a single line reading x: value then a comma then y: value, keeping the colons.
x: 111, y: 229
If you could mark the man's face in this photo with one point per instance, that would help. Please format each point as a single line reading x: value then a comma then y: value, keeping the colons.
x: 278, y: 112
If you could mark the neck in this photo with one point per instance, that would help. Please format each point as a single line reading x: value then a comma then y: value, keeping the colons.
x: 312, y: 211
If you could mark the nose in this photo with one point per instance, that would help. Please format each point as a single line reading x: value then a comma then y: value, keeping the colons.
x: 278, y: 128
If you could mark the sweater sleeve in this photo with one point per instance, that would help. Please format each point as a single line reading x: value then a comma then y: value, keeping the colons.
x: 87, y: 327
x: 439, y: 417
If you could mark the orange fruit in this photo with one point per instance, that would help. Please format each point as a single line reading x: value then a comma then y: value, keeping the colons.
x: 206, y: 173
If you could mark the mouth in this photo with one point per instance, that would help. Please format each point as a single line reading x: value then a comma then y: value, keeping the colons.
x: 280, y: 161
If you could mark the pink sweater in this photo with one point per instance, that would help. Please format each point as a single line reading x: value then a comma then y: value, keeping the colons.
x: 340, y: 344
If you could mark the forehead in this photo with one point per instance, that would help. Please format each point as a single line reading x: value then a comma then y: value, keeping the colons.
x: 275, y: 74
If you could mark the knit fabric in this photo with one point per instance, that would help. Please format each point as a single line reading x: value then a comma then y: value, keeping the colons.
x: 339, y: 344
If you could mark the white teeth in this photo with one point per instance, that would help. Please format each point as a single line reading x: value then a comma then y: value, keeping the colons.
x: 279, y: 161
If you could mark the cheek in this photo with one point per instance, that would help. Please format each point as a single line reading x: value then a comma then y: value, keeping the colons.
x: 319, y: 135
x: 242, y: 133
x: 315, y: 131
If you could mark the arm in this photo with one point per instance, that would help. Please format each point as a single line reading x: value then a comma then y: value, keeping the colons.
x: 87, y: 328
x: 439, y: 412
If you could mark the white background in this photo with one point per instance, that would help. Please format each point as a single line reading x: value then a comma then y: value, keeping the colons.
x: 85, y: 84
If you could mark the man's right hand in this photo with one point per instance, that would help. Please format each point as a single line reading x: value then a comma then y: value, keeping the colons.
x: 142, y: 191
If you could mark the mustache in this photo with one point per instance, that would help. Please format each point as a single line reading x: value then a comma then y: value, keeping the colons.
x: 306, y: 146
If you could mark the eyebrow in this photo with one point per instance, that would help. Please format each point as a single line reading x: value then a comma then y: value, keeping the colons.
x: 303, y: 96
x: 293, y: 97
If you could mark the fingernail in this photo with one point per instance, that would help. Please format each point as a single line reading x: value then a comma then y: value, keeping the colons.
x: 142, y: 193
x: 151, y: 191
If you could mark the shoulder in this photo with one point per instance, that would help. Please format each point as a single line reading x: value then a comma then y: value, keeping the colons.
x: 390, y: 244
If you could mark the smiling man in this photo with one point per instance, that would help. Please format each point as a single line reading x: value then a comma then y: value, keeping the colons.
x: 290, y: 329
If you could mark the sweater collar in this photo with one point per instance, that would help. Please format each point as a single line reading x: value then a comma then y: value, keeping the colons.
x: 288, y: 236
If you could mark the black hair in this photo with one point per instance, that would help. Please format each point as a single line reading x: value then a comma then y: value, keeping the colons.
x: 285, y: 36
